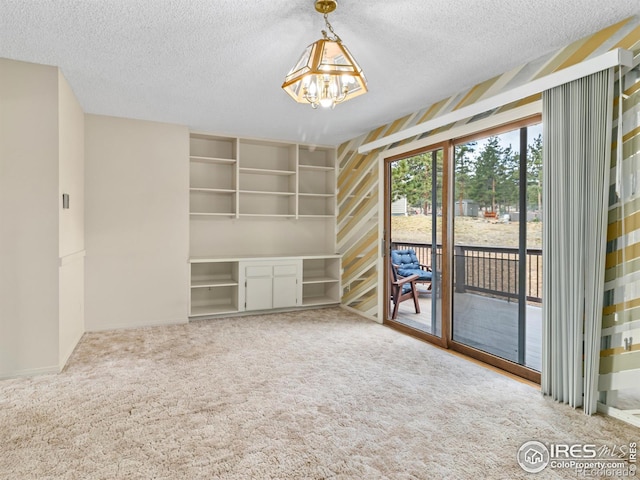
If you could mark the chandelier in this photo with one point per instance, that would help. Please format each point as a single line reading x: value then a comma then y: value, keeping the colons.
x: 326, y: 73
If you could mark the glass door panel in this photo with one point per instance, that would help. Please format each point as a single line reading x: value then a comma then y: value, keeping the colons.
x: 496, y: 275
x: 415, y: 237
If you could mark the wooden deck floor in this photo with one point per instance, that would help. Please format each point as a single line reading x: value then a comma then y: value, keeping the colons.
x: 485, y: 323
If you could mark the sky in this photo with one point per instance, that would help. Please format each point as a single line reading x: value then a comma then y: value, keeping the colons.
x: 513, y: 138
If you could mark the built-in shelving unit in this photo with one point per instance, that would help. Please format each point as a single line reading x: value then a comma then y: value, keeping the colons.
x: 213, y: 175
x: 316, y: 182
x: 235, y: 177
x: 262, y: 230
x: 222, y: 286
x: 267, y: 179
x: 320, y: 280
x: 214, y: 288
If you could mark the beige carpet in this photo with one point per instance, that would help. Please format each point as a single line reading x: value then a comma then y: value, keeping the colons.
x: 320, y: 394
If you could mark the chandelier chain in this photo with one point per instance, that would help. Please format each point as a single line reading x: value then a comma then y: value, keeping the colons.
x: 335, y: 37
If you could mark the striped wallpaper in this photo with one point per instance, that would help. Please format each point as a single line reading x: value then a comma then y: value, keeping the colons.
x: 359, y: 184
x: 620, y: 368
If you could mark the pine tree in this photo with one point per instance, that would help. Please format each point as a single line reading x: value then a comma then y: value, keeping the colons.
x: 534, y: 173
x: 464, y: 172
x: 411, y: 178
x: 489, y: 173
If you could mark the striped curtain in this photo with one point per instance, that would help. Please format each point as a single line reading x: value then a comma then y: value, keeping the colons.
x: 577, y: 120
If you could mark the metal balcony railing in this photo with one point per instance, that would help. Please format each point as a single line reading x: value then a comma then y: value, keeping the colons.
x: 489, y: 270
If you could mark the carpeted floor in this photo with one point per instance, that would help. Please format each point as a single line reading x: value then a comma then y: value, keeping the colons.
x: 318, y: 394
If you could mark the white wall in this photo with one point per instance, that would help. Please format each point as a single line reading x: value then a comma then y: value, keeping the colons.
x: 28, y: 218
x: 137, y: 223
x: 71, y: 221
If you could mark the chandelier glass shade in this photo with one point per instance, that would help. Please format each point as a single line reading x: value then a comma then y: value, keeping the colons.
x: 326, y: 73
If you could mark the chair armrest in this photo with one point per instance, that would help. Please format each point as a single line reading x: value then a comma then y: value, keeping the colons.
x: 425, y: 267
x: 402, y: 280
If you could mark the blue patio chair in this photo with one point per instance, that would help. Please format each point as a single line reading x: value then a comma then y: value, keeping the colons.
x: 406, y: 264
x: 402, y: 288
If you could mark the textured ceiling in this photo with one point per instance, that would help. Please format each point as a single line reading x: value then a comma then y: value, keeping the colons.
x: 217, y: 65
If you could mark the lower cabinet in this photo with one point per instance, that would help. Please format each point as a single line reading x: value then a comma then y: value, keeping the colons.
x: 234, y: 285
x: 269, y: 285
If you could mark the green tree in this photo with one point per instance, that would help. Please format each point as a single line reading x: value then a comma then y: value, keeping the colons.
x: 489, y: 173
x: 534, y: 173
x: 439, y: 182
x: 464, y: 172
x: 509, y: 179
x: 411, y: 178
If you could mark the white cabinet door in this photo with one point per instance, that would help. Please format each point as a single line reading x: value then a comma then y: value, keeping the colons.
x: 285, y: 286
x: 259, y: 287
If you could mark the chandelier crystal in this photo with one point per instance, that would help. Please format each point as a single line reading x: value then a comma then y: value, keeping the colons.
x: 326, y: 73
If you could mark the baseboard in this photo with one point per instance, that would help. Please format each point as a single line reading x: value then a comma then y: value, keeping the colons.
x: 30, y: 372
x: 261, y: 312
x: 624, y: 415
x: 128, y: 326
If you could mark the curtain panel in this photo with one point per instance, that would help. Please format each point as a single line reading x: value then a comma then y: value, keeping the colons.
x: 577, y: 126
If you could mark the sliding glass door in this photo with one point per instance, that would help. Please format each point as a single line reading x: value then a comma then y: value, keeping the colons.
x: 497, y: 247
x: 469, y: 210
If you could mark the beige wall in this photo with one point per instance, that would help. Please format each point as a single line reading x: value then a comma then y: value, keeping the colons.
x: 71, y: 169
x: 137, y: 223
x: 28, y: 218
x: 71, y: 221
x: 260, y: 236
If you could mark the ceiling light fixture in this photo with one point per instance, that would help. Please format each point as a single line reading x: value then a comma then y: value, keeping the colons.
x: 326, y: 73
